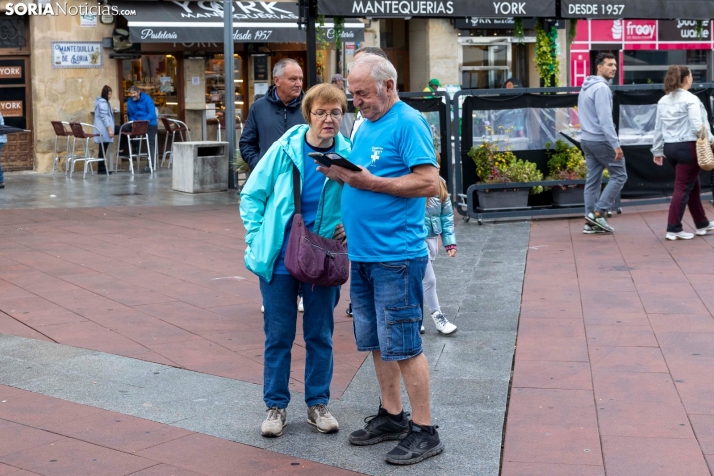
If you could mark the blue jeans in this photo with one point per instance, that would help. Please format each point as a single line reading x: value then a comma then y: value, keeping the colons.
x: 279, y: 323
x: 2, y: 178
x: 387, y: 303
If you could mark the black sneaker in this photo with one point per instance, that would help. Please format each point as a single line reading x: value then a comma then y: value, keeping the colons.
x: 348, y: 311
x: 380, y: 427
x: 417, y: 446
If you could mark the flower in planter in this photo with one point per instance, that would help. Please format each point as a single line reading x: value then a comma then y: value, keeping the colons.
x: 565, y: 162
x: 495, y: 166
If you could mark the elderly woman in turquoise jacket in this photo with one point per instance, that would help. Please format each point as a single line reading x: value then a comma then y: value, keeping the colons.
x: 267, y: 207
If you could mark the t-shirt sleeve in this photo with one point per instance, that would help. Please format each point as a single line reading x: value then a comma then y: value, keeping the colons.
x: 417, y: 143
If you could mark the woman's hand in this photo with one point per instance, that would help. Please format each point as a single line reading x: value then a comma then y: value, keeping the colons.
x: 340, y: 234
x: 658, y: 160
x: 451, y: 252
x: 111, y: 132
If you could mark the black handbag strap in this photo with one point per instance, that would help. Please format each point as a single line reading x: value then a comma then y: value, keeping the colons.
x: 296, y: 188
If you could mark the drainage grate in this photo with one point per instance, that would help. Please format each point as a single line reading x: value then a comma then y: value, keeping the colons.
x: 126, y: 194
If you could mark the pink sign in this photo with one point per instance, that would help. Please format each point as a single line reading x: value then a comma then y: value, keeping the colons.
x: 639, y: 30
x: 579, y: 68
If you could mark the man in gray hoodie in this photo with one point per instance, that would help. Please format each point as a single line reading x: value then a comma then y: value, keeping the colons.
x: 600, y: 145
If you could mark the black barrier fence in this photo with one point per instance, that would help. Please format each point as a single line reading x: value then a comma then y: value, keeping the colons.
x: 524, y: 120
x: 436, y: 109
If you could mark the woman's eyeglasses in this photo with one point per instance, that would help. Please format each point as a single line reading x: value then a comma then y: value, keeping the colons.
x: 322, y: 115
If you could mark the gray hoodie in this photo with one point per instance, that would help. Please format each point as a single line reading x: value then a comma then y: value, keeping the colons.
x: 595, y: 112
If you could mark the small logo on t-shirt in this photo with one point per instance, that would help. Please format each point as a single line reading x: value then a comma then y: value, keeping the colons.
x: 375, y: 155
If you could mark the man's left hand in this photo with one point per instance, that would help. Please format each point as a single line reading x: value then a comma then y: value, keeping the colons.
x: 362, y: 180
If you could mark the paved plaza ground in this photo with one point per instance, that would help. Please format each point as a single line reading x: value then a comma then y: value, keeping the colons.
x: 131, y: 343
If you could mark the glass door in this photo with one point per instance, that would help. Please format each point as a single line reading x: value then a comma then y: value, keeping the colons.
x: 485, y: 66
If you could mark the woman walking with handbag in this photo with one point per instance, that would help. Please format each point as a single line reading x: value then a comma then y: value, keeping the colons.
x: 267, y: 208
x: 680, y: 118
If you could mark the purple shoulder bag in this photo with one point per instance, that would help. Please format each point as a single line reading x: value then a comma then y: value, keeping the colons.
x: 310, y: 258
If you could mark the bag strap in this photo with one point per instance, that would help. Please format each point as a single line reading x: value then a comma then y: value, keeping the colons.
x: 296, y: 188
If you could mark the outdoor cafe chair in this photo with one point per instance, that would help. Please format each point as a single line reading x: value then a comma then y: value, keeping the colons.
x: 61, y: 131
x: 135, y: 130
x: 174, y: 127
x: 222, y: 125
x: 79, y: 133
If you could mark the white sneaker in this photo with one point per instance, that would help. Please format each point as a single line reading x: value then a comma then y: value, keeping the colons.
x: 275, y: 422
x: 682, y: 235
x: 262, y: 309
x: 321, y: 418
x: 301, y: 308
x: 442, y: 323
x: 703, y: 231
x: 422, y: 330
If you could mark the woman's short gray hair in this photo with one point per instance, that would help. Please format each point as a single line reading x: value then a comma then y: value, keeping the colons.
x: 381, y: 70
x: 279, y: 67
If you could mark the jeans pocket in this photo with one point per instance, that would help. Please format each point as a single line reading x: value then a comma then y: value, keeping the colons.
x: 394, y: 265
x: 403, y: 325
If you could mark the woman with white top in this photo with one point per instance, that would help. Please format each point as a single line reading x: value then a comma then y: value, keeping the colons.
x: 680, y: 116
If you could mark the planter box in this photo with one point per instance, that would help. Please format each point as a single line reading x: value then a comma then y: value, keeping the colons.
x: 570, y: 197
x: 503, y: 199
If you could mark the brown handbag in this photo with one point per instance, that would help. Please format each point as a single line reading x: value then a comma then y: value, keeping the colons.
x: 311, y: 258
x: 705, y: 155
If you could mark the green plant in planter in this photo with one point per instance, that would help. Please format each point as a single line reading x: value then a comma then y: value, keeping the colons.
x: 238, y: 164
x: 494, y: 166
x: 565, y: 162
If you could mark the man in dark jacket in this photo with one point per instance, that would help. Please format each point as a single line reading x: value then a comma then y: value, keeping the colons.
x: 272, y: 115
x: 140, y: 107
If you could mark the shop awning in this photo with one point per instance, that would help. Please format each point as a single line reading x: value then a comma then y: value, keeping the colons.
x: 437, y: 8
x: 202, y: 22
x: 638, y: 9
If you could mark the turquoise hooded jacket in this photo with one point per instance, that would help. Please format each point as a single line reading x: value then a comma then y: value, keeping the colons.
x: 267, y: 204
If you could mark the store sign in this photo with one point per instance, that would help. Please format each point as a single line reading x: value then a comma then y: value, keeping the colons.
x: 191, y: 22
x: 476, y: 23
x: 11, y: 109
x: 644, y: 9
x: 683, y: 30
x: 437, y: 8
x: 10, y: 72
x: 77, y: 54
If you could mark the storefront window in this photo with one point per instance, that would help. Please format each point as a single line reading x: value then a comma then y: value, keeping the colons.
x: 216, y: 84
x: 647, y: 66
x: 157, y: 76
x: 485, y: 66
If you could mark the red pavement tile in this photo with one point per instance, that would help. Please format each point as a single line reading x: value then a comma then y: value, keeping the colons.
x: 217, y: 457
x: 546, y: 374
x: 552, y: 426
x: 15, y: 437
x: 552, y: 340
x: 682, y: 343
x: 6, y: 469
x: 627, y: 359
x: 551, y: 309
x: 165, y: 470
x: 604, y: 285
x: 634, y: 387
x: 11, y: 326
x: 620, y: 335
x: 535, y: 469
x: 643, y: 419
x: 89, y: 335
x: 67, y: 456
x: 703, y: 426
x: 121, y: 432
x: 653, y: 457
x: 38, y: 411
x: 687, y: 323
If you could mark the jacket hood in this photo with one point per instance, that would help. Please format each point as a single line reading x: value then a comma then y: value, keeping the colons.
x: 591, y: 81
x: 99, y: 100
x: 270, y: 96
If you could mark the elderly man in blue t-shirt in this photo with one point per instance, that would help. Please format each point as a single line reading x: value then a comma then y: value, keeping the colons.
x: 383, y: 214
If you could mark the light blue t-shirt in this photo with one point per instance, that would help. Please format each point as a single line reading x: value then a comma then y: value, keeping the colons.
x: 313, y: 183
x: 383, y: 227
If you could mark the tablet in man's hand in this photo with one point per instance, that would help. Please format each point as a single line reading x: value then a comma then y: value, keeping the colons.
x: 333, y: 158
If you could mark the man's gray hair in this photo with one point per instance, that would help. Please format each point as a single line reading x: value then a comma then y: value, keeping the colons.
x: 279, y: 67
x: 371, y: 50
x: 381, y: 70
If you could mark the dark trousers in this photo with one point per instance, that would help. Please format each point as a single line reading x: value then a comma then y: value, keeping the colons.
x: 101, y: 148
x: 683, y: 157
